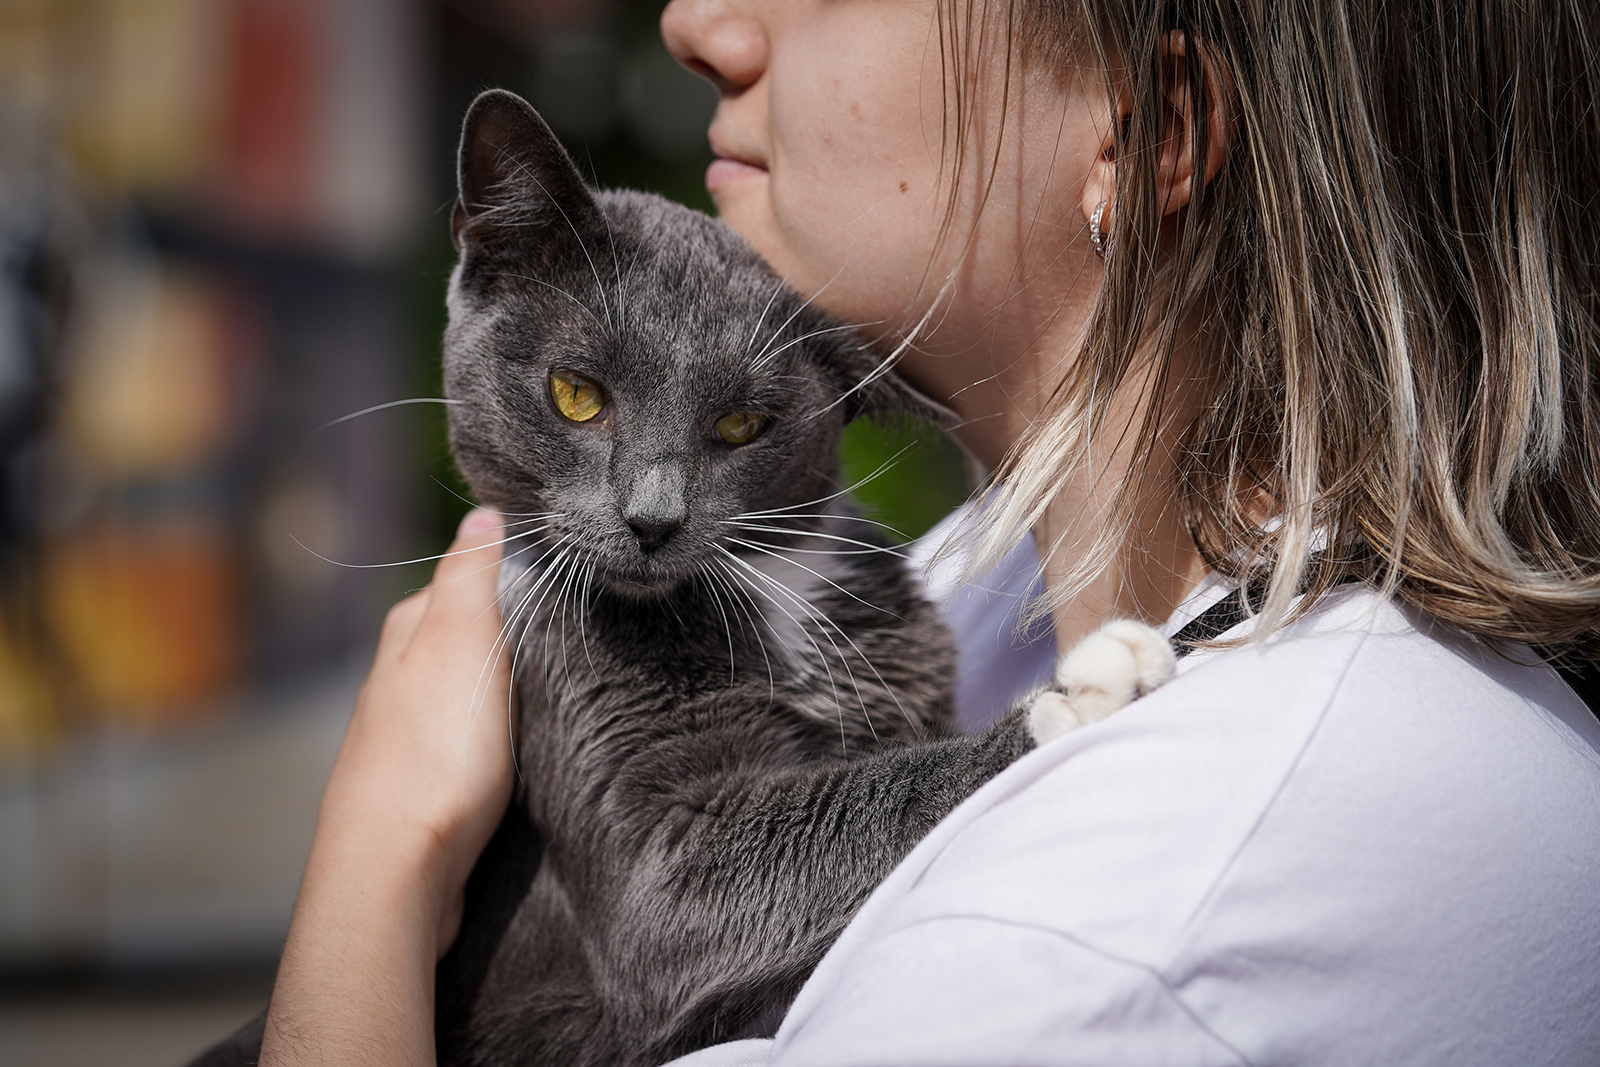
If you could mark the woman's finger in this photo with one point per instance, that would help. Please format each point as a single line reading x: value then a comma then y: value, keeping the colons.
x: 401, y: 623
x: 466, y: 581
x: 462, y: 622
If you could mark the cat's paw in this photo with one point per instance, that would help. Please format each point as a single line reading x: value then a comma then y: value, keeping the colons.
x: 1107, y: 670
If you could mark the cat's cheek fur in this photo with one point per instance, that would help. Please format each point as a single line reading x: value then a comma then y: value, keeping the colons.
x: 1103, y: 673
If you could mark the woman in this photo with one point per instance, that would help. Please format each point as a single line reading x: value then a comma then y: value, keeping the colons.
x: 1298, y: 297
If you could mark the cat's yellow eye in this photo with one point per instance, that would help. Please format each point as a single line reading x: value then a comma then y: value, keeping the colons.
x: 575, y: 396
x: 741, y: 427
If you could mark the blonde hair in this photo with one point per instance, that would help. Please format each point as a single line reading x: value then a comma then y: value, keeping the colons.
x: 1396, y: 280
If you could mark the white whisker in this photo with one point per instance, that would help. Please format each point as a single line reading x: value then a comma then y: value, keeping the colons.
x: 797, y: 312
x: 513, y: 554
x: 822, y: 657
x: 473, y: 503
x: 383, y: 407
x: 818, y: 574
x: 802, y: 339
x: 845, y: 516
x: 409, y: 562
x: 599, y: 286
x: 812, y: 612
x: 771, y: 354
x: 733, y: 589
x: 557, y: 572
x: 727, y: 629
x: 822, y: 617
x: 776, y: 289
x: 508, y: 621
x: 616, y: 265
x: 886, y: 465
x: 587, y: 310
x: 866, y: 547
x: 583, y: 615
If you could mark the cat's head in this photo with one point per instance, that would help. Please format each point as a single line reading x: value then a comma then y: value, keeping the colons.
x: 629, y: 374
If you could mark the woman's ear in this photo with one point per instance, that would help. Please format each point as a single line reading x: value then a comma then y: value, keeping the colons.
x: 1175, y: 166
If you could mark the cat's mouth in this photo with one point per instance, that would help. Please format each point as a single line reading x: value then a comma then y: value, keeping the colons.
x: 646, y: 576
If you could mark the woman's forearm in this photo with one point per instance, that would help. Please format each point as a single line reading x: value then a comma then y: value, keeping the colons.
x: 355, y: 985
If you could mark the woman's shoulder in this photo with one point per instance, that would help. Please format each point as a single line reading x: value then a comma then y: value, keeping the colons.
x: 1358, y: 658
x: 1373, y: 702
x: 1364, y: 817
x: 1360, y: 731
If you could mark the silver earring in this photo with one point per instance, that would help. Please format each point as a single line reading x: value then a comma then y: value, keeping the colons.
x: 1097, y: 237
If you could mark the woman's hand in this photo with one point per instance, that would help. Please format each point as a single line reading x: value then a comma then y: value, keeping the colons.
x: 426, y: 760
x: 422, y: 779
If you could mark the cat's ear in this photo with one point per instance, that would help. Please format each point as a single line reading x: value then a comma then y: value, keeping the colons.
x: 514, y: 178
x: 873, y: 388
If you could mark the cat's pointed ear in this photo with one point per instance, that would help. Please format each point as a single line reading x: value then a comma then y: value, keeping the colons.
x: 873, y: 388
x: 514, y: 178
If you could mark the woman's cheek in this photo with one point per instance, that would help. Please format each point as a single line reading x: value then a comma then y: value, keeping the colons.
x: 849, y: 94
x: 850, y: 211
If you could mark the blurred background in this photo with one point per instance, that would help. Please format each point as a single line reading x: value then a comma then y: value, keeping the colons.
x: 223, y: 226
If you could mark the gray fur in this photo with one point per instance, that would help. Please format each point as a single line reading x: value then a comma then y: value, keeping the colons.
x: 723, y: 747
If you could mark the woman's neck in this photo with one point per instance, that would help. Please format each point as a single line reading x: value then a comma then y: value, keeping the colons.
x: 1157, y: 564
x: 1155, y: 570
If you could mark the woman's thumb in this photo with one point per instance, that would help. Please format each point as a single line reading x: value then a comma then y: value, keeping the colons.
x: 467, y: 575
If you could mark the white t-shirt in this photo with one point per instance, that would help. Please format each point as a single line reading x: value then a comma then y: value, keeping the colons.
x: 1365, y: 841
x: 997, y: 660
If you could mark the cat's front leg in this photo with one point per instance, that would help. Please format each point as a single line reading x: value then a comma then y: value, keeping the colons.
x: 1109, y: 669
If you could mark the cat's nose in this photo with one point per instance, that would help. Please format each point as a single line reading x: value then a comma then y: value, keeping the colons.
x: 658, y: 506
x: 653, y: 534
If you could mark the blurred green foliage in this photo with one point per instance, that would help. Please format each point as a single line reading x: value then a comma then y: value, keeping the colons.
x: 906, y: 473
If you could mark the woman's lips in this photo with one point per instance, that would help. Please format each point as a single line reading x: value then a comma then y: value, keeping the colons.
x: 724, y: 172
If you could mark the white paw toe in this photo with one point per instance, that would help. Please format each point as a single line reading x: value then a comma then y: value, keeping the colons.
x: 1051, y: 715
x: 1152, y: 652
x: 1099, y: 675
x: 1104, y: 672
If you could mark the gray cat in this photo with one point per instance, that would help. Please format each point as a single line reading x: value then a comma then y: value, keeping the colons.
x: 734, y: 704
x: 734, y: 707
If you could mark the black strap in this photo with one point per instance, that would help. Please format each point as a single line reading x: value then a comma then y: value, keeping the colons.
x: 1210, y: 624
x: 1584, y: 678
x: 1225, y: 614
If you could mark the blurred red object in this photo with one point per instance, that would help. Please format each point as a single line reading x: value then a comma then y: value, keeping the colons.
x: 271, y: 124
